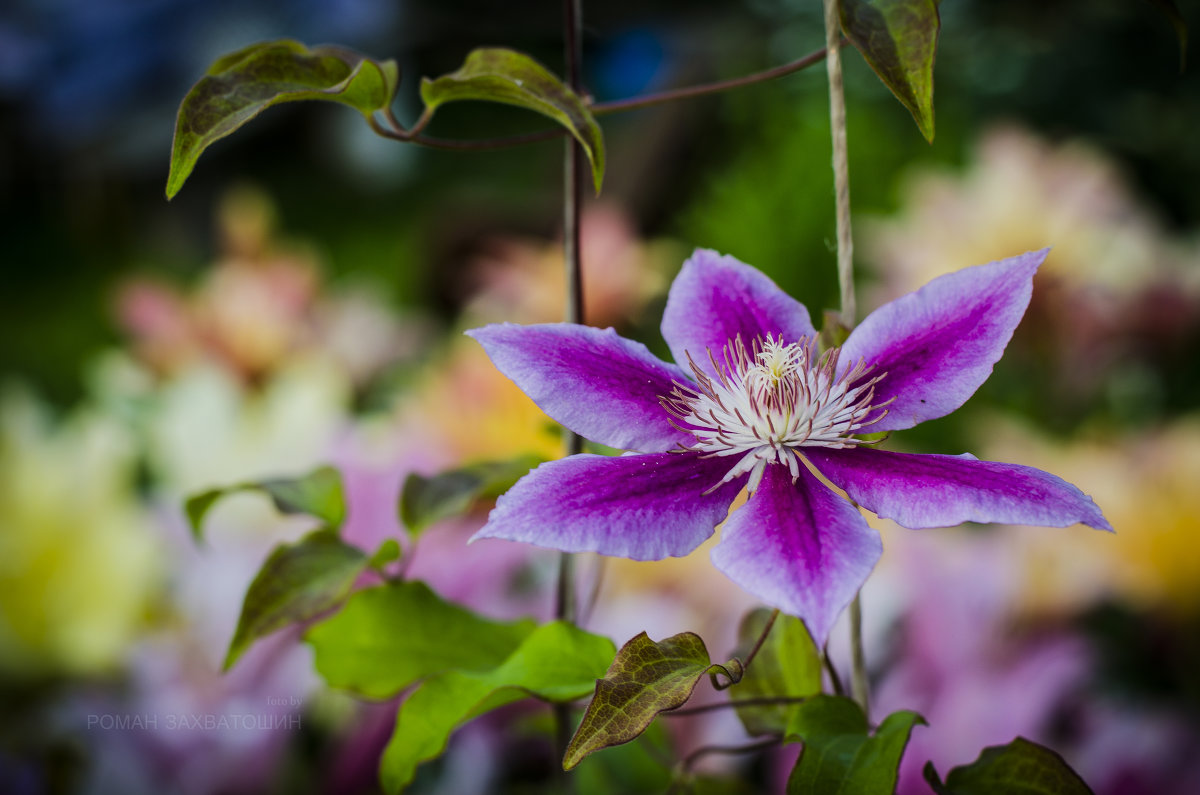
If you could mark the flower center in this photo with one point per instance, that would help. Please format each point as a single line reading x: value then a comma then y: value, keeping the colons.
x: 770, y: 400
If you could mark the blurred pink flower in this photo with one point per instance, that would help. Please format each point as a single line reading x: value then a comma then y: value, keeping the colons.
x: 969, y: 655
x: 1148, y: 478
x: 260, y: 305
x: 962, y: 663
x: 523, y: 280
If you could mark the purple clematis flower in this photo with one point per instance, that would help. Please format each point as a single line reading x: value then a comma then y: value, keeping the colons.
x: 758, y: 407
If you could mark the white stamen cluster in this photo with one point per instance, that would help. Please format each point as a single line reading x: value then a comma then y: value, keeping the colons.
x: 770, y: 400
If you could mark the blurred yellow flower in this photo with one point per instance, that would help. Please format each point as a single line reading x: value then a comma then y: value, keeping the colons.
x: 1146, y: 482
x: 79, y: 558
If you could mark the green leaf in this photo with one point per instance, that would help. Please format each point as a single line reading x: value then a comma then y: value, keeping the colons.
x: 635, y: 768
x: 388, y: 637
x: 645, y: 678
x: 787, y: 664
x: 388, y: 551
x: 425, y: 500
x: 557, y: 662
x: 319, y: 494
x: 1177, y: 21
x: 297, y: 582
x: 243, y: 84
x: 1019, y: 768
x: 840, y: 755
x: 513, y: 78
x: 898, y: 38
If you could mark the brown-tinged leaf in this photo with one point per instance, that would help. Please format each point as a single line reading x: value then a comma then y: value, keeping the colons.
x: 645, y: 678
x: 243, y: 84
x: 496, y: 74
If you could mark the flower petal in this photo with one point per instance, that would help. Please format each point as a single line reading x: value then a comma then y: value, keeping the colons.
x: 938, y: 345
x: 799, y: 547
x: 600, y: 385
x: 643, y: 507
x: 920, y: 491
x: 716, y: 298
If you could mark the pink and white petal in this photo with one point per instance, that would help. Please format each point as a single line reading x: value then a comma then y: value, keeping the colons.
x: 799, y: 547
x: 716, y: 298
x: 600, y: 385
x: 920, y: 491
x: 938, y: 345
x: 642, y: 507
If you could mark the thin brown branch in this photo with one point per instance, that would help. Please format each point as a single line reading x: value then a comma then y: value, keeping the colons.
x: 762, y: 638
x: 834, y: 679
x: 841, y: 167
x: 634, y: 103
x: 859, y: 687
x: 765, y: 701
x: 747, y: 748
x: 565, y: 608
x: 397, y: 132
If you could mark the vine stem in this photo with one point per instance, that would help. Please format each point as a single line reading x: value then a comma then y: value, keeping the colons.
x: 841, y: 165
x: 634, y: 103
x: 572, y: 206
x: 414, y: 135
x: 762, y: 638
x: 764, y: 701
x: 858, y: 661
x: 845, y: 267
x: 834, y: 680
x: 565, y: 607
x: 759, y: 745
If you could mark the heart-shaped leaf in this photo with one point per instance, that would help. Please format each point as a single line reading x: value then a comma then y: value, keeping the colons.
x: 557, y: 662
x: 318, y: 494
x: 388, y: 637
x: 645, y: 678
x: 243, y: 84
x: 495, y: 74
x: 1019, y: 768
x: 841, y: 756
x: 898, y: 38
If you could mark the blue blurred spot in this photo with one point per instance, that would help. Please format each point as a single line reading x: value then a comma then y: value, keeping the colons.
x: 630, y: 64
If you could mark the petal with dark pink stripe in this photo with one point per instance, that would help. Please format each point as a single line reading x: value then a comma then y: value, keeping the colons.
x: 715, y: 299
x: 920, y: 491
x: 600, y: 385
x: 938, y: 345
x: 799, y: 547
x: 639, y: 506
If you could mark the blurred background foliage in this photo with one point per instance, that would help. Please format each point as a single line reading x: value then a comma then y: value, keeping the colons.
x: 299, y: 301
x: 89, y: 93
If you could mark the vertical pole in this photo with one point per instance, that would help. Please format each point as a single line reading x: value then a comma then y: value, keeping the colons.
x: 565, y: 608
x: 845, y: 265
